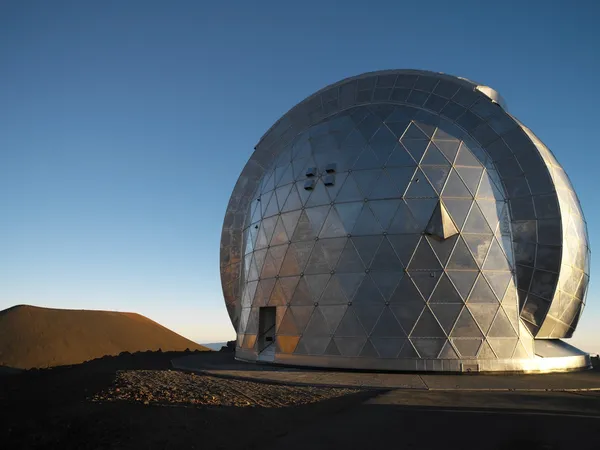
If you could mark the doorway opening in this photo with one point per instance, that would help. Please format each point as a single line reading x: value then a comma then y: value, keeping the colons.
x: 266, y: 329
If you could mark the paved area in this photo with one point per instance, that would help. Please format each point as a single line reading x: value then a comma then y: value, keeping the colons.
x: 225, y: 366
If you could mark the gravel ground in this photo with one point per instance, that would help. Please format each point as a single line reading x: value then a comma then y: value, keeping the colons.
x: 169, y: 387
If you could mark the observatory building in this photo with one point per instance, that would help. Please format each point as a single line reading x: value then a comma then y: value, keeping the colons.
x: 405, y: 220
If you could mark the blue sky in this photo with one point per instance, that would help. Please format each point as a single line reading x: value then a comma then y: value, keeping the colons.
x: 124, y: 126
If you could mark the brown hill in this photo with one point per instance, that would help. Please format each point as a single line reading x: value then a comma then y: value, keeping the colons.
x: 33, y: 337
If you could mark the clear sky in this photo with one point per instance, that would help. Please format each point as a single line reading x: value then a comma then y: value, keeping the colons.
x: 125, y: 124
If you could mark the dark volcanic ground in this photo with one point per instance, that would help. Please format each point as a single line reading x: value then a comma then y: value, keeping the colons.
x: 136, y: 401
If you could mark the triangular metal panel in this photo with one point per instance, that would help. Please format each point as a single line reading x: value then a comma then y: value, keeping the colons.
x: 434, y: 157
x: 484, y: 314
x: 455, y: 188
x: 287, y: 344
x: 301, y: 348
x: 290, y: 220
x: 277, y: 296
x: 350, y: 346
x: 448, y: 352
x: 332, y: 249
x: 400, y: 157
x: 466, y: 158
x: 387, y: 325
x: 315, y: 345
x: 498, y: 281
x: 446, y: 314
x: 333, y: 226
x: 279, y: 235
x: 348, y: 214
x: 404, y: 246
x: 461, y: 258
x: 332, y: 349
x: 424, y: 258
x: 458, y: 208
x: 471, y: 177
x: 317, y: 284
x: 302, y: 315
x: 428, y: 348
x: 442, y: 249
x: 414, y: 132
x: 384, y: 211
x: 408, y: 351
x: 401, y: 177
x: 287, y: 176
x: 463, y: 280
x: 282, y: 193
x: 510, y: 304
x: 368, y: 351
x: 449, y: 148
x: 467, y: 348
x: 333, y: 293
x: 369, y: 125
x: 287, y: 326
x: 482, y: 293
x: 272, y: 208
x: 302, y: 295
x: 385, y: 259
x: 368, y: 314
x: 425, y: 281
x: 520, y: 352
x: 367, y: 293
x: 388, y: 347
x: 408, y: 312
x: 479, y: 245
x: 416, y: 147
x: 350, y: 326
x: 319, y: 195
x: 366, y: 160
x: 366, y: 246
x: 426, y: 128
x: 420, y: 187
x: 296, y: 258
x: 383, y: 143
x: 404, y: 221
x: 502, y: 327
x: 476, y: 223
x: 406, y: 291
x: 317, y: 325
x: 366, y: 224
x: 437, y: 176
x: 333, y: 315
x: 485, y: 351
x: 427, y: 326
x: 317, y: 263
x: 349, y: 191
x: 366, y: 180
x: 384, y: 188
x: 445, y: 292
x: 316, y: 216
x: 349, y: 282
x: 386, y: 282
x: 466, y: 327
x: 503, y: 348
x: 398, y: 127
x: 421, y: 210
x: 349, y: 260
x: 496, y: 260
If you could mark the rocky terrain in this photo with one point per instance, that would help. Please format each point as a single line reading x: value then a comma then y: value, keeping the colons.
x: 136, y: 401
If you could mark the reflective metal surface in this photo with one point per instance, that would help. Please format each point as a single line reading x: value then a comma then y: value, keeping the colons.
x: 402, y: 217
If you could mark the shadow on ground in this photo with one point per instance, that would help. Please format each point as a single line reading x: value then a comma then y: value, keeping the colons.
x: 54, y: 409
